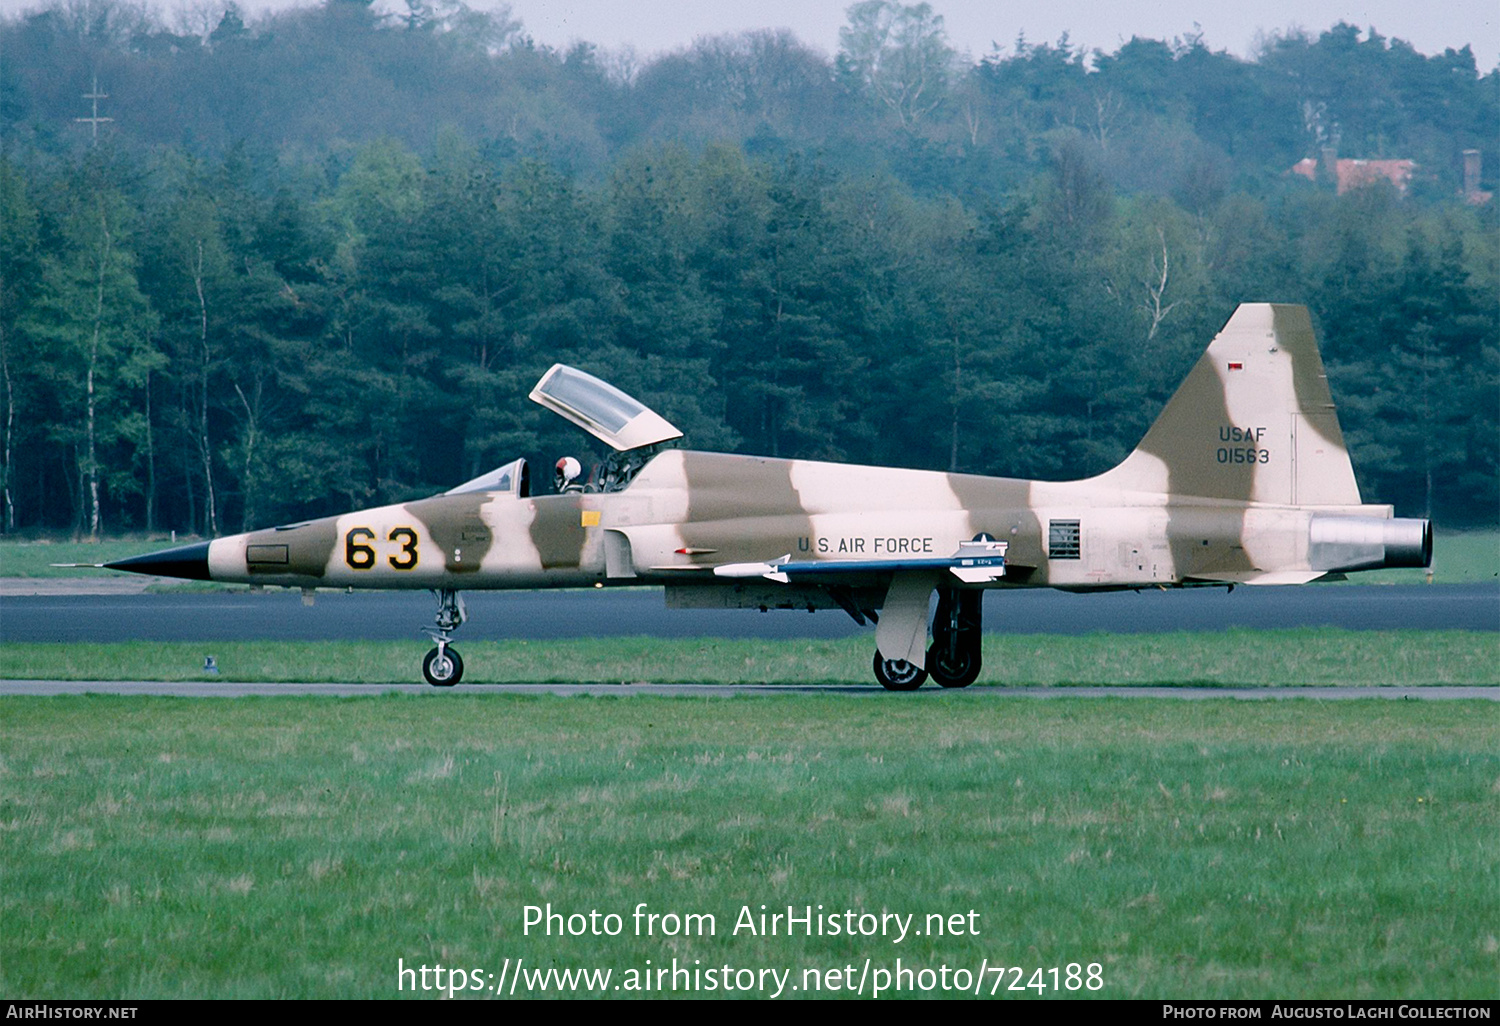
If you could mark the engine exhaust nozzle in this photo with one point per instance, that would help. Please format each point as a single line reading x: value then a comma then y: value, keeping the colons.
x: 1338, y: 543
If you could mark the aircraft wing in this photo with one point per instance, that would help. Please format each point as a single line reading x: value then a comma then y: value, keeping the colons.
x: 975, y: 562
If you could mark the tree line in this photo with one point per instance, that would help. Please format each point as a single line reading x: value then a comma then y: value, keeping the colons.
x: 276, y: 304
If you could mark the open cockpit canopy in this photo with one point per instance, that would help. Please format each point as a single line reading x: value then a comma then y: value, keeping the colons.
x: 601, y: 409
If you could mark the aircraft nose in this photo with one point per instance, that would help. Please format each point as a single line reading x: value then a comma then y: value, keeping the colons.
x: 186, y: 561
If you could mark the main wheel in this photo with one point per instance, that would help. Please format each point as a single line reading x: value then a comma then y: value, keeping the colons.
x: 898, y: 674
x: 958, y: 670
x: 443, y: 668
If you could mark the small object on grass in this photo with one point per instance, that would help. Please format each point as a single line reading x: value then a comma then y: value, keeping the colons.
x: 209, y: 666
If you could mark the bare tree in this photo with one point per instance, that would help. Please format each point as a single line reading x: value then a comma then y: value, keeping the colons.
x: 1156, y: 287
x: 205, y: 447
x: 6, y: 468
x: 492, y: 31
x: 104, y: 23
x: 254, y: 406
x: 901, y: 55
x: 621, y: 64
x: 1107, y: 107
x: 198, y: 18
x: 91, y: 457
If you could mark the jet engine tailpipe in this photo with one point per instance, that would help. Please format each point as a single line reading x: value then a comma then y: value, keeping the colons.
x: 1368, y: 543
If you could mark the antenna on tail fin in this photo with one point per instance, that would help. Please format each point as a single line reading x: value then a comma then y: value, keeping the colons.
x: 1252, y: 422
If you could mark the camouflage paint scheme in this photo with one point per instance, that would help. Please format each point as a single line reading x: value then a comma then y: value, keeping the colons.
x: 1224, y: 488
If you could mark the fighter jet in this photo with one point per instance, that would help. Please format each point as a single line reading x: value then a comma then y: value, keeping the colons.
x: 1242, y: 479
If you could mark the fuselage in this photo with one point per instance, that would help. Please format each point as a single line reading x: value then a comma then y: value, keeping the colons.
x: 687, y: 511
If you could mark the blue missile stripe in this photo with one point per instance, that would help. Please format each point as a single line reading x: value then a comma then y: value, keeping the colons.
x: 872, y: 565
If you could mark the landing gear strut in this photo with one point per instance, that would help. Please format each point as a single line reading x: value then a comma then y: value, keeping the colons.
x: 954, y: 658
x: 442, y: 666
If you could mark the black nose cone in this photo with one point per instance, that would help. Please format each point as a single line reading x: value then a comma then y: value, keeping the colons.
x: 188, y: 561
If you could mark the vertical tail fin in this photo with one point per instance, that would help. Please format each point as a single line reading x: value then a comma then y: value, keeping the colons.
x: 1253, y: 421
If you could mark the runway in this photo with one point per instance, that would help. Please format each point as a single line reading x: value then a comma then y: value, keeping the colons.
x: 209, y: 689
x: 280, y: 614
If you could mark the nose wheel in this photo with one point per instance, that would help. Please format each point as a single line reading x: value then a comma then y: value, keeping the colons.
x: 443, y: 667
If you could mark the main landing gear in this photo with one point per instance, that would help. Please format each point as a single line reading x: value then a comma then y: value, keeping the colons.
x: 953, y: 659
x: 442, y: 666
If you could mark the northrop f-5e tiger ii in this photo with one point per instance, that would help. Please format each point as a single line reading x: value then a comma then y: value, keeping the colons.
x: 1242, y: 479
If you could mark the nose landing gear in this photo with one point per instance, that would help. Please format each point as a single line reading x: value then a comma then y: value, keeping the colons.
x: 442, y: 667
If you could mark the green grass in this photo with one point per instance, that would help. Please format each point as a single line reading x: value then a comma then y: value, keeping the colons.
x: 1458, y: 557
x: 1322, y: 655
x: 292, y: 847
x: 35, y: 558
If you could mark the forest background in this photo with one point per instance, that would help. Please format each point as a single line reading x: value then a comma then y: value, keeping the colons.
x: 256, y: 271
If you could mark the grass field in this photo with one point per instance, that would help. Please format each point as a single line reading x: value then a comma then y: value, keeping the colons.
x: 35, y: 558
x: 294, y: 847
x: 1457, y: 557
x: 1323, y: 655
x: 299, y: 847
